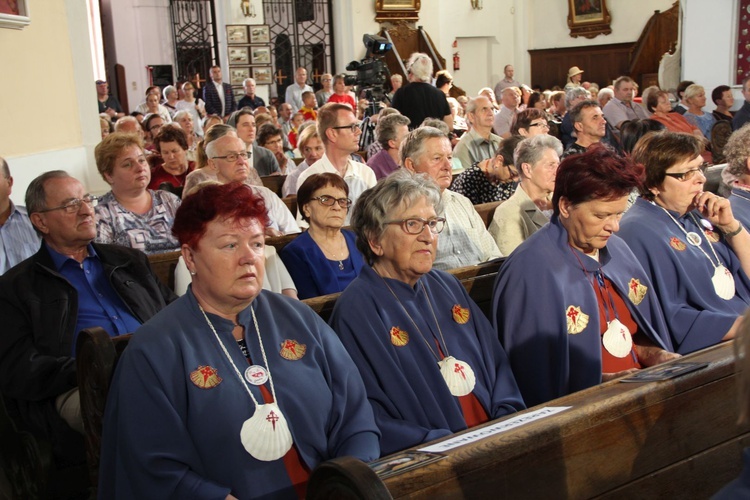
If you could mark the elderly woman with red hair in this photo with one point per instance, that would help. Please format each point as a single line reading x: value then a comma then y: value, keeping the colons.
x: 597, y: 316
x: 233, y: 392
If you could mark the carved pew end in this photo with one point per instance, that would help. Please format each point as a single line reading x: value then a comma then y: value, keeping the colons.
x: 346, y: 478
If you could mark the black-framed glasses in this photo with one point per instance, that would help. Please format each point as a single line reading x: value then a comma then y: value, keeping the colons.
x: 353, y: 127
x: 329, y: 201
x: 540, y: 124
x: 415, y: 225
x: 686, y: 176
x: 74, y: 205
x: 232, y: 157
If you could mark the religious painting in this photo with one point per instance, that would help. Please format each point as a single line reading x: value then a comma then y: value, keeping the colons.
x: 260, y: 54
x: 239, y: 55
x: 397, y: 10
x: 238, y: 75
x: 14, y: 14
x: 588, y: 18
x: 260, y: 34
x: 262, y: 75
x: 237, y: 33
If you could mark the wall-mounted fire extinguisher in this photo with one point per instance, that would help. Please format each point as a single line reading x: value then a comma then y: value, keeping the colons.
x: 456, y: 61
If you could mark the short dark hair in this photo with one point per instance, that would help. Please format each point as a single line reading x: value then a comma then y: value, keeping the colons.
x: 718, y: 92
x: 266, y: 132
x: 631, y: 132
x: 171, y: 134
x: 597, y: 174
x: 658, y: 152
x: 682, y: 86
x: 524, y: 118
x: 4, y: 168
x: 36, y: 197
x: 146, y: 123
x: 315, y: 182
x: 233, y: 200
x: 653, y: 99
x: 577, y: 110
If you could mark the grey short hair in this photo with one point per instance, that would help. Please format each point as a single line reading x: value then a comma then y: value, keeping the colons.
x: 376, y: 205
x: 577, y: 111
x: 737, y: 151
x: 168, y: 90
x: 246, y: 80
x: 36, y: 198
x: 387, y: 128
x: 472, y: 105
x: 438, y: 124
x: 183, y: 112
x: 532, y: 149
x: 574, y: 94
x: 4, y: 168
x: 414, y: 144
x: 420, y: 65
x: 605, y: 91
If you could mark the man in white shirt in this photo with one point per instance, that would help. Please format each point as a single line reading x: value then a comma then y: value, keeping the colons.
x: 294, y: 91
x: 620, y: 108
x: 465, y: 240
x: 339, y: 130
x: 504, y: 118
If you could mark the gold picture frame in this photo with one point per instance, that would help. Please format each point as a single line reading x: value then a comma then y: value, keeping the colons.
x: 396, y: 10
x: 588, y: 18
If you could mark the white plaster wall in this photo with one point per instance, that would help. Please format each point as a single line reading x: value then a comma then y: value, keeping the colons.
x: 548, y: 26
x: 708, y: 45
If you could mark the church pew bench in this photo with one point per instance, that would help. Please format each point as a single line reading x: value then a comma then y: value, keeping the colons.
x: 486, y: 211
x: 291, y: 203
x: 274, y: 183
x: 164, y: 265
x: 478, y: 281
x: 668, y: 439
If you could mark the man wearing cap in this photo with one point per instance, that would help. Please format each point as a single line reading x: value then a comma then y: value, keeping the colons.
x: 108, y: 104
x: 575, y: 74
x: 508, y: 81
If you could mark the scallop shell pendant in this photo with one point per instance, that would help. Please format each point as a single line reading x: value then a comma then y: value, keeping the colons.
x: 266, y: 434
x: 617, y: 339
x: 723, y: 282
x: 458, y: 376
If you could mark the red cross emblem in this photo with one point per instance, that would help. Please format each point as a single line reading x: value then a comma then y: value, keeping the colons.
x: 459, y: 369
x: 273, y: 418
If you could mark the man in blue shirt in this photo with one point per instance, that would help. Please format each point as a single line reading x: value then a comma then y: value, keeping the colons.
x: 69, y: 284
x: 18, y: 240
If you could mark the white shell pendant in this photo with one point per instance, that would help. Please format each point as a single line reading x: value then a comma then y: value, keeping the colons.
x: 723, y: 282
x: 694, y: 239
x: 458, y: 376
x: 617, y: 339
x: 266, y: 434
x: 256, y: 375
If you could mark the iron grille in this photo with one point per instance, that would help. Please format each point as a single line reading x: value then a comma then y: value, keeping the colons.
x: 195, y: 39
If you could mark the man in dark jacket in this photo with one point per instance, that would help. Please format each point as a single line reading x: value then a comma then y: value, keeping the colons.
x: 69, y: 284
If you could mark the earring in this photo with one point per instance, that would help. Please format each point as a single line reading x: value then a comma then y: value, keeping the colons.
x: 193, y: 273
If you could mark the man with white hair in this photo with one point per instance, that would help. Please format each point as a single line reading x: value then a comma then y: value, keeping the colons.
x: 294, y: 91
x: 604, y: 96
x: 420, y: 99
x: 250, y: 100
x: 504, y: 118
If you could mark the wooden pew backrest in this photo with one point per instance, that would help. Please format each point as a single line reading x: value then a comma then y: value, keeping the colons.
x: 163, y: 265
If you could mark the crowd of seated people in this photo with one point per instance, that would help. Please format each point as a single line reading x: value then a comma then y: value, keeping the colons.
x: 413, y: 358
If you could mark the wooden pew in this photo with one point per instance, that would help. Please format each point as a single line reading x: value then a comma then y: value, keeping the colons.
x: 670, y: 439
x: 478, y: 281
x: 164, y: 265
x: 486, y: 211
x: 291, y: 203
x: 274, y: 183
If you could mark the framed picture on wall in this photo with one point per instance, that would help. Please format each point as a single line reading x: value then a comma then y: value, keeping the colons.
x: 239, y: 55
x: 14, y: 14
x: 260, y: 34
x: 238, y: 75
x: 588, y: 18
x: 262, y: 75
x: 260, y: 54
x: 237, y: 33
x: 239, y: 93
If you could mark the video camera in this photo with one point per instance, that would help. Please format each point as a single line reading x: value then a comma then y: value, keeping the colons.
x: 372, y: 72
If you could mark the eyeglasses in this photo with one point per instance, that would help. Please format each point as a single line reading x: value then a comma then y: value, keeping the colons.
x: 686, y: 176
x: 328, y: 201
x: 232, y: 157
x: 354, y: 127
x: 74, y: 205
x: 540, y: 124
x: 415, y: 225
